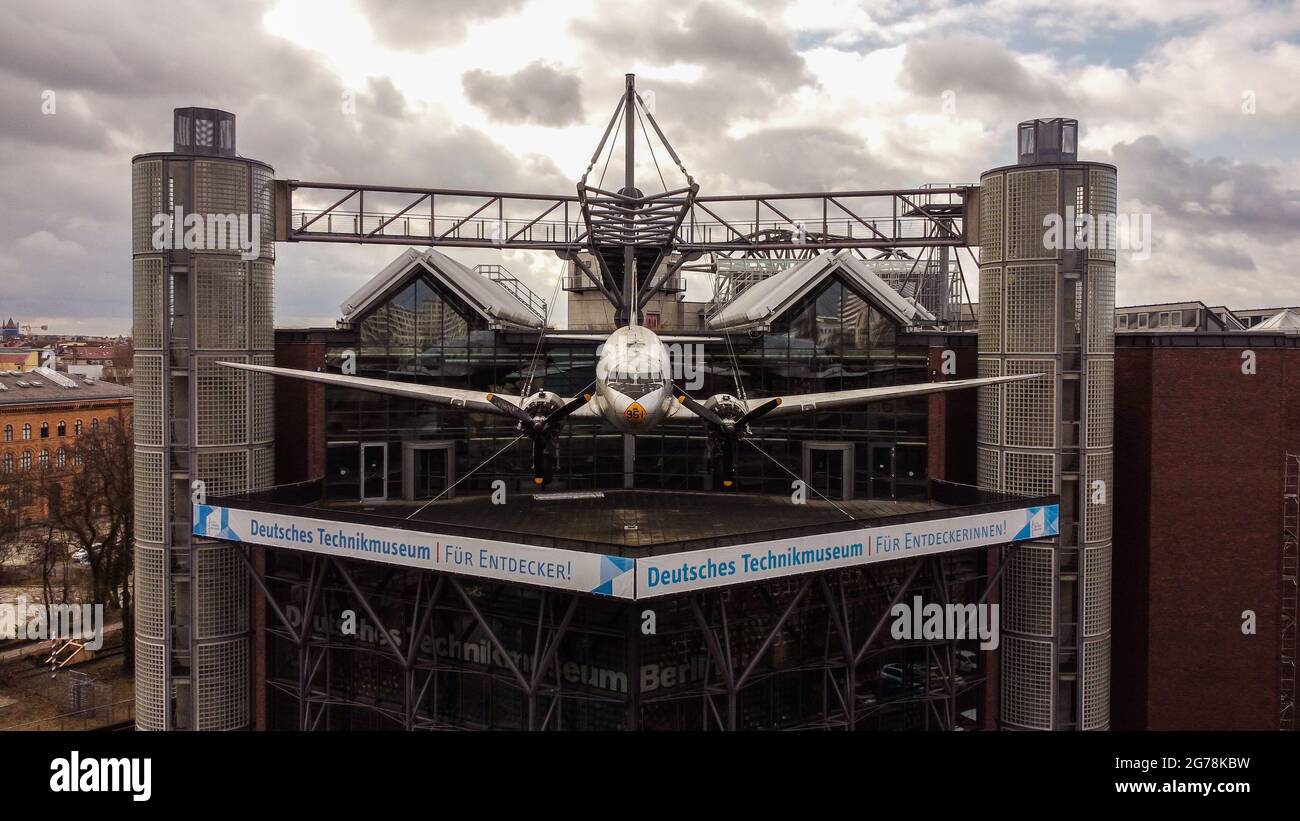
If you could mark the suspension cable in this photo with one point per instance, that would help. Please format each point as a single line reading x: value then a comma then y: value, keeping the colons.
x: 735, y: 370
x: 650, y: 146
x: 601, y: 183
x: 546, y: 321
x: 466, y: 476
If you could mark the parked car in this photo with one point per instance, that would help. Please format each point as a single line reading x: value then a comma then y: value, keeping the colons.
x: 967, y: 661
x: 81, y: 556
x: 896, y: 680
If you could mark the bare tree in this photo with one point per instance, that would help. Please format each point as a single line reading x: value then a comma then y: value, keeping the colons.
x: 123, y: 360
x: 91, y: 503
x: 11, y: 520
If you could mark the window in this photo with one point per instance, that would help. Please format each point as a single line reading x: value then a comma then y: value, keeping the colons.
x: 27, y: 430
x: 76, y: 427
x: 60, y: 458
x: 9, y: 433
x: 25, y: 461
x: 76, y: 457
x: 1068, y: 138
x: 45, y: 430
x: 1027, y: 139
x: 1142, y: 320
x: 7, y: 465
x: 94, y: 425
x: 45, y: 457
x: 651, y: 320
x: 63, y: 428
x: 1175, y: 318
x: 1121, y: 321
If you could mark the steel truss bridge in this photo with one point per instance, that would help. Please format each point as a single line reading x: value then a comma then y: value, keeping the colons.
x: 628, y: 243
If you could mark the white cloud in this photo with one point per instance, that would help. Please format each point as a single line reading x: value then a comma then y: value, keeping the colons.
x: 752, y: 95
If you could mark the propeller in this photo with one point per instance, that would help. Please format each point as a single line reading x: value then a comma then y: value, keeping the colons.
x: 511, y: 409
x: 756, y: 413
x: 726, y: 433
x: 699, y: 410
x: 540, y: 428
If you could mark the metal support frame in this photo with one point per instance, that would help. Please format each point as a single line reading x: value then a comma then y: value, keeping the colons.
x: 720, y: 691
x: 314, y: 652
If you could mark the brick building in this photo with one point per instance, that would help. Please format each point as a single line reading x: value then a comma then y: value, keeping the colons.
x: 1201, y: 444
x: 43, y: 412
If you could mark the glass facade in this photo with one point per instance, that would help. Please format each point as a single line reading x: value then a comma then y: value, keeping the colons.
x: 832, y: 340
x: 471, y: 666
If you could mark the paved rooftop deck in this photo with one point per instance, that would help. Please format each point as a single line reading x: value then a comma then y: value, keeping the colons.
x: 641, y: 518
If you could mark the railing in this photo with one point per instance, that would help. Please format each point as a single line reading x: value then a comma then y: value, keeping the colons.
x: 91, y: 718
x: 892, y: 218
x: 579, y: 282
x: 517, y: 289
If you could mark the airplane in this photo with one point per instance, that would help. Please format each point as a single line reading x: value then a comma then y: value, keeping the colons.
x: 634, y: 393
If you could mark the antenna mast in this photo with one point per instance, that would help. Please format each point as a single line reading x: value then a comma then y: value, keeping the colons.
x: 629, y: 190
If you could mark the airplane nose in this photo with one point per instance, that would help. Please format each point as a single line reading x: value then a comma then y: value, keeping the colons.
x: 635, y: 413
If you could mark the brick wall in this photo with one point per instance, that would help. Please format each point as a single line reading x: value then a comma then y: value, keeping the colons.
x: 53, y: 413
x: 1198, y: 504
x: 299, y: 414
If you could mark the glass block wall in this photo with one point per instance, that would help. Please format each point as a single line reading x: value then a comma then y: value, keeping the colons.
x: 1048, y: 308
x: 199, y: 298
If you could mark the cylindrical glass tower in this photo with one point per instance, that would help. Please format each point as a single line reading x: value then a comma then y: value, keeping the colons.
x: 1047, y: 306
x: 202, y: 267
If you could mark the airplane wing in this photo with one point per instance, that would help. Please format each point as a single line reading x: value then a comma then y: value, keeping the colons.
x: 449, y: 397
x: 797, y: 403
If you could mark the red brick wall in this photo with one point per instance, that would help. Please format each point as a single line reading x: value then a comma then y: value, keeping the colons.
x: 952, y: 420
x: 1132, y: 513
x: 1199, y: 448
x: 299, y: 415
x: 15, y: 416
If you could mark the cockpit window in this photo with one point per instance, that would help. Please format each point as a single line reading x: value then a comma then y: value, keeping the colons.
x: 633, y: 388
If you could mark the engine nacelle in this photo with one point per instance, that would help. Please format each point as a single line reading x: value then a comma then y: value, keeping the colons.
x: 726, y: 406
x: 541, y: 404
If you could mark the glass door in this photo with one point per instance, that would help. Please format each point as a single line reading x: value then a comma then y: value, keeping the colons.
x: 828, y: 469
x: 374, y: 470
x: 826, y: 472
x: 882, y: 471
x: 431, y: 471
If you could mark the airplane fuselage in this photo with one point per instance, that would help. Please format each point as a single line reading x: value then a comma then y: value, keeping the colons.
x: 633, y: 380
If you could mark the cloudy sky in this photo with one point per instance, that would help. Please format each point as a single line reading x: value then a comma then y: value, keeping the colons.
x: 1197, y: 103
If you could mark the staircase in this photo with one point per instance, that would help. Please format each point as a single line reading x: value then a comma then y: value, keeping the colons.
x: 501, y: 276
